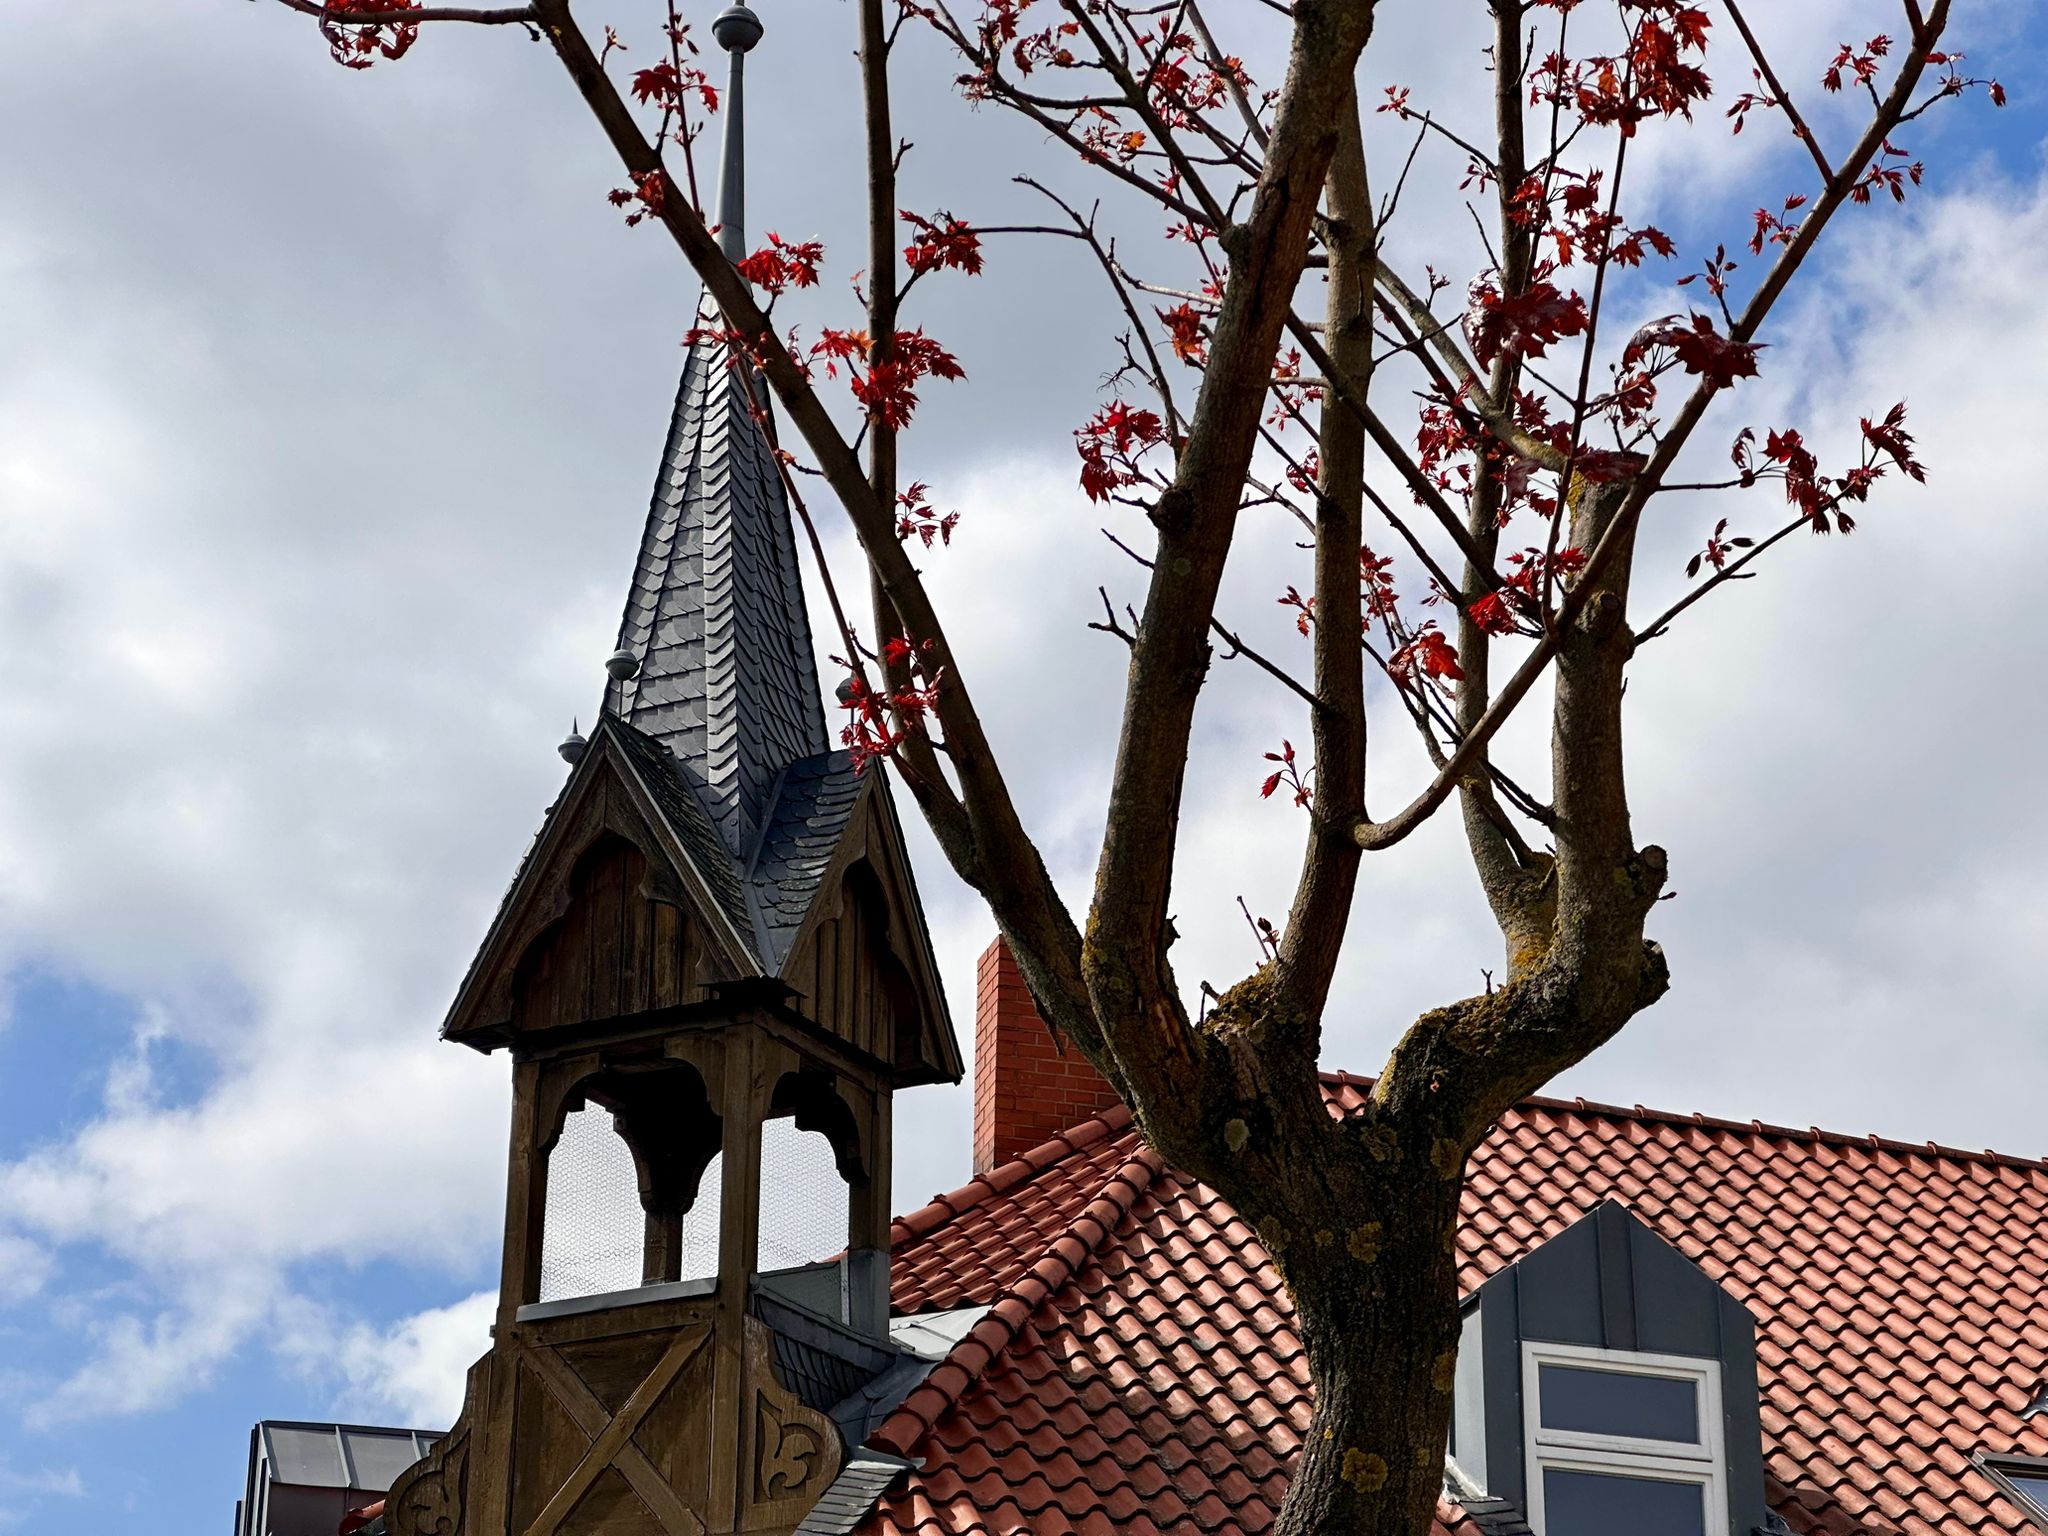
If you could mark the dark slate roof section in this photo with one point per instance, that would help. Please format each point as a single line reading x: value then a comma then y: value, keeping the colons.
x: 852, y: 1494
x: 668, y: 781
x: 716, y: 611
x: 820, y: 1361
x: 1490, y: 1517
x: 812, y: 806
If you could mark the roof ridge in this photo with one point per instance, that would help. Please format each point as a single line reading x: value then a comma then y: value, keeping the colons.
x: 1062, y: 1260
x: 1811, y: 1133
x: 943, y: 1208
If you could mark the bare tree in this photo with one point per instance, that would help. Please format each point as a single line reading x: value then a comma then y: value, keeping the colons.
x: 1513, y: 498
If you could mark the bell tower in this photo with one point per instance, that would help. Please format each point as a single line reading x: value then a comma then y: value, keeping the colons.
x: 714, y: 938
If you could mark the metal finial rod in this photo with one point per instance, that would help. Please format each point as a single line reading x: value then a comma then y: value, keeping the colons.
x: 736, y: 30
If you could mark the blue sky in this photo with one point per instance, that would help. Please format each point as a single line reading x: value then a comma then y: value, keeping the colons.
x: 327, y: 409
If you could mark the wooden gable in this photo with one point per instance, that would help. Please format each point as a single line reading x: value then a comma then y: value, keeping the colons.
x: 608, y: 917
x: 862, y: 961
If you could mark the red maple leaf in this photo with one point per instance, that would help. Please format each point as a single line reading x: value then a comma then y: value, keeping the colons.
x: 1429, y: 653
x: 1698, y: 347
x: 1526, y: 323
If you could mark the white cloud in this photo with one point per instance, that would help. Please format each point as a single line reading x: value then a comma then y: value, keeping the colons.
x: 25, y: 1268
x: 142, y: 1362
x: 411, y: 1372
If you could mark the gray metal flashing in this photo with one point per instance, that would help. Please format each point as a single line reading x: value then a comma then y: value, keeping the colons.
x: 856, y: 1379
x: 2000, y: 1470
x: 933, y: 1335
x: 636, y: 1296
x: 314, y: 1455
x: 853, y: 1494
x: 1493, y: 1516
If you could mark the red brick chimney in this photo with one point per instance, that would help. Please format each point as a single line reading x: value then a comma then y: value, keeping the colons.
x: 1026, y: 1090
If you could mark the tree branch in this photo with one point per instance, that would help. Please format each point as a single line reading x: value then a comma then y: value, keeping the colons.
x: 1314, y: 935
x: 508, y: 16
x: 1763, y: 66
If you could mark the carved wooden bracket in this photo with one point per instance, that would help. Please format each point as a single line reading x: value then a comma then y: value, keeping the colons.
x: 429, y: 1497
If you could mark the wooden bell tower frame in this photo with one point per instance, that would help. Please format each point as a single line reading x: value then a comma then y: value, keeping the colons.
x: 615, y: 975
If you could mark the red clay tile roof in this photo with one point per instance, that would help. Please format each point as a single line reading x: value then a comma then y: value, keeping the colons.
x: 1139, y: 1372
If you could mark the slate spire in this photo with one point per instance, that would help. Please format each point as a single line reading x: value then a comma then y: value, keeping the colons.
x: 716, y: 611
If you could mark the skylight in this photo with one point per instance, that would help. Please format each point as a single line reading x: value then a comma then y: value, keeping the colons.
x: 2034, y: 1490
x: 2025, y: 1481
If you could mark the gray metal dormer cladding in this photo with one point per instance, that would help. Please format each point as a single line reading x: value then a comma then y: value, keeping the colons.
x: 1605, y: 1298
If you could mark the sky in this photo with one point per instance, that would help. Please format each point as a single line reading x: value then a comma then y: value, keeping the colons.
x: 329, y: 406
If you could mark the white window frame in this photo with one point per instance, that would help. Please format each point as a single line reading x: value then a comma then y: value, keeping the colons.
x: 1566, y: 1450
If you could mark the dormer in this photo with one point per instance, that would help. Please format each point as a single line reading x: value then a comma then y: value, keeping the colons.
x: 1606, y: 1384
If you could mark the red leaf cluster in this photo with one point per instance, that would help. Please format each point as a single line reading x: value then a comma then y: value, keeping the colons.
x: 645, y: 197
x: 358, y: 47
x: 782, y: 264
x: 670, y: 83
x: 1519, y: 597
x: 1887, y: 445
x: 1856, y: 66
x: 1697, y: 348
x: 1110, y: 443
x: 1655, y: 76
x: 888, y: 390
x: 1376, y: 584
x: 1526, y: 323
x: 1720, y: 549
x: 915, y: 517
x: 1184, y: 329
x: 1428, y: 654
x: 878, y: 720
x: 1288, y: 773
x: 942, y: 241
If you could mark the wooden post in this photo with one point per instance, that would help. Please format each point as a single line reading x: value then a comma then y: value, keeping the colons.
x: 662, y: 1258
x: 746, y: 1103
x: 868, y: 1214
x: 526, y: 1198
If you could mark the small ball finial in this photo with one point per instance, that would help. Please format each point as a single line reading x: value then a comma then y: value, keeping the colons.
x: 736, y: 29
x: 622, y: 665
x: 572, y: 746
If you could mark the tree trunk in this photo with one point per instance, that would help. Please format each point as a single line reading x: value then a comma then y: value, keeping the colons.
x: 1377, y: 1308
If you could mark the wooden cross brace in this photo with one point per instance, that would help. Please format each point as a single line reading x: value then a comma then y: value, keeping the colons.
x: 611, y: 1437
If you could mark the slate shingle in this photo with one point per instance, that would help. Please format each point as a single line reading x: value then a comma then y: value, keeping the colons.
x: 715, y: 613
x: 724, y: 717
x: 812, y: 805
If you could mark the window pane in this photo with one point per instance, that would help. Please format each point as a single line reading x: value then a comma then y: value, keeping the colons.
x: 1608, y: 1504
x: 1618, y: 1403
x: 2034, y: 1488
